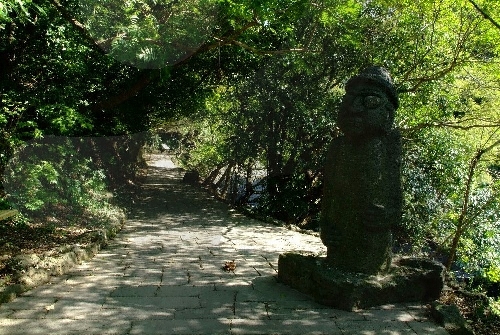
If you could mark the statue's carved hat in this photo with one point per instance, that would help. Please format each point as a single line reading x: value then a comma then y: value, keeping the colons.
x: 375, y: 75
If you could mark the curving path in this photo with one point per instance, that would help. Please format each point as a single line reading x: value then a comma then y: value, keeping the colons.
x: 163, y: 275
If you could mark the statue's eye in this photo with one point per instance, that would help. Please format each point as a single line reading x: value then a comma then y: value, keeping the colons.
x: 372, y: 101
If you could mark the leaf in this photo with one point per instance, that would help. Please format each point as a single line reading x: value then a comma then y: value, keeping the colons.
x: 229, y: 266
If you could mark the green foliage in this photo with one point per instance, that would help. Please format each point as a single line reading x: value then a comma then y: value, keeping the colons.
x: 269, y: 121
x: 433, y: 167
x: 48, y: 176
x: 493, y: 274
x: 495, y: 307
x: 149, y: 34
x: 21, y: 8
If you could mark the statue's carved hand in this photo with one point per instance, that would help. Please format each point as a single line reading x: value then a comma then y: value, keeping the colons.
x: 375, y: 218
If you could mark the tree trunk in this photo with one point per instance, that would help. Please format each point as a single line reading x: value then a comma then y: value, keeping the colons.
x: 225, y: 180
x: 463, y: 218
x: 131, y: 92
x: 209, y: 181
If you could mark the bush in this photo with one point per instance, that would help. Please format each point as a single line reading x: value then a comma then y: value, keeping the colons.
x: 61, y: 176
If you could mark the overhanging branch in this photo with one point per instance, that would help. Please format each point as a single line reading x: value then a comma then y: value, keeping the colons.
x: 80, y: 27
x: 266, y: 52
x: 485, y: 15
x: 147, y: 76
x: 459, y: 125
x: 116, y: 100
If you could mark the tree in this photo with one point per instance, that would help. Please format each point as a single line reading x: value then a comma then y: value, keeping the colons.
x: 467, y: 216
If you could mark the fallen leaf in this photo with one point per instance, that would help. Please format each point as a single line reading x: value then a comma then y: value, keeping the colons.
x: 229, y: 266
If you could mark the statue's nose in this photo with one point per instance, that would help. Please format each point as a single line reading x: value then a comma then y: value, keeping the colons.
x: 356, y: 107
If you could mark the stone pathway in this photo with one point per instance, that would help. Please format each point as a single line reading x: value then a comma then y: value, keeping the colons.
x: 163, y: 275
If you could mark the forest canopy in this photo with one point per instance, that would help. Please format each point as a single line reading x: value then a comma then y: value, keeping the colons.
x: 252, y: 89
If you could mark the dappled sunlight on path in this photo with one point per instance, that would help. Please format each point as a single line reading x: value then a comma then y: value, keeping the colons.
x: 163, y: 274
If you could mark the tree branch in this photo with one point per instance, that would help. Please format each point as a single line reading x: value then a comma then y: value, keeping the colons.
x: 463, y: 222
x: 80, y: 27
x: 435, y: 76
x: 132, y: 91
x: 149, y: 75
x: 491, y: 147
x: 266, y: 52
x: 455, y: 125
x: 484, y: 14
x: 456, y: 59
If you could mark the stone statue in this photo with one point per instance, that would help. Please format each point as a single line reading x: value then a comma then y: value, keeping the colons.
x: 361, y: 204
x: 362, y: 188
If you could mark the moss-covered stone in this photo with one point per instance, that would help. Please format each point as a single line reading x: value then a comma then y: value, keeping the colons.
x: 450, y: 318
x: 407, y: 280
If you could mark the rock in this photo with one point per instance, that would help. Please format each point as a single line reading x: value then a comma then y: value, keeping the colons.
x: 32, y: 270
x: 450, y: 318
x: 24, y: 261
x: 408, y: 280
x: 34, y: 277
x: 191, y: 177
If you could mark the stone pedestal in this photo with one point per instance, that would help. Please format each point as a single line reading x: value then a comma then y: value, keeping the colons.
x: 408, y: 280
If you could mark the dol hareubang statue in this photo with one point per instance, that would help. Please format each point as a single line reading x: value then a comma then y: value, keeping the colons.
x: 361, y: 203
x: 362, y: 194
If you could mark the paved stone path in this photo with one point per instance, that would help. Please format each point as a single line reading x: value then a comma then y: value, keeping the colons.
x: 163, y: 275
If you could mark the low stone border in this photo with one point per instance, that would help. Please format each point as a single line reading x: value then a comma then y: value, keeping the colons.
x: 34, y: 270
x: 5, y: 214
